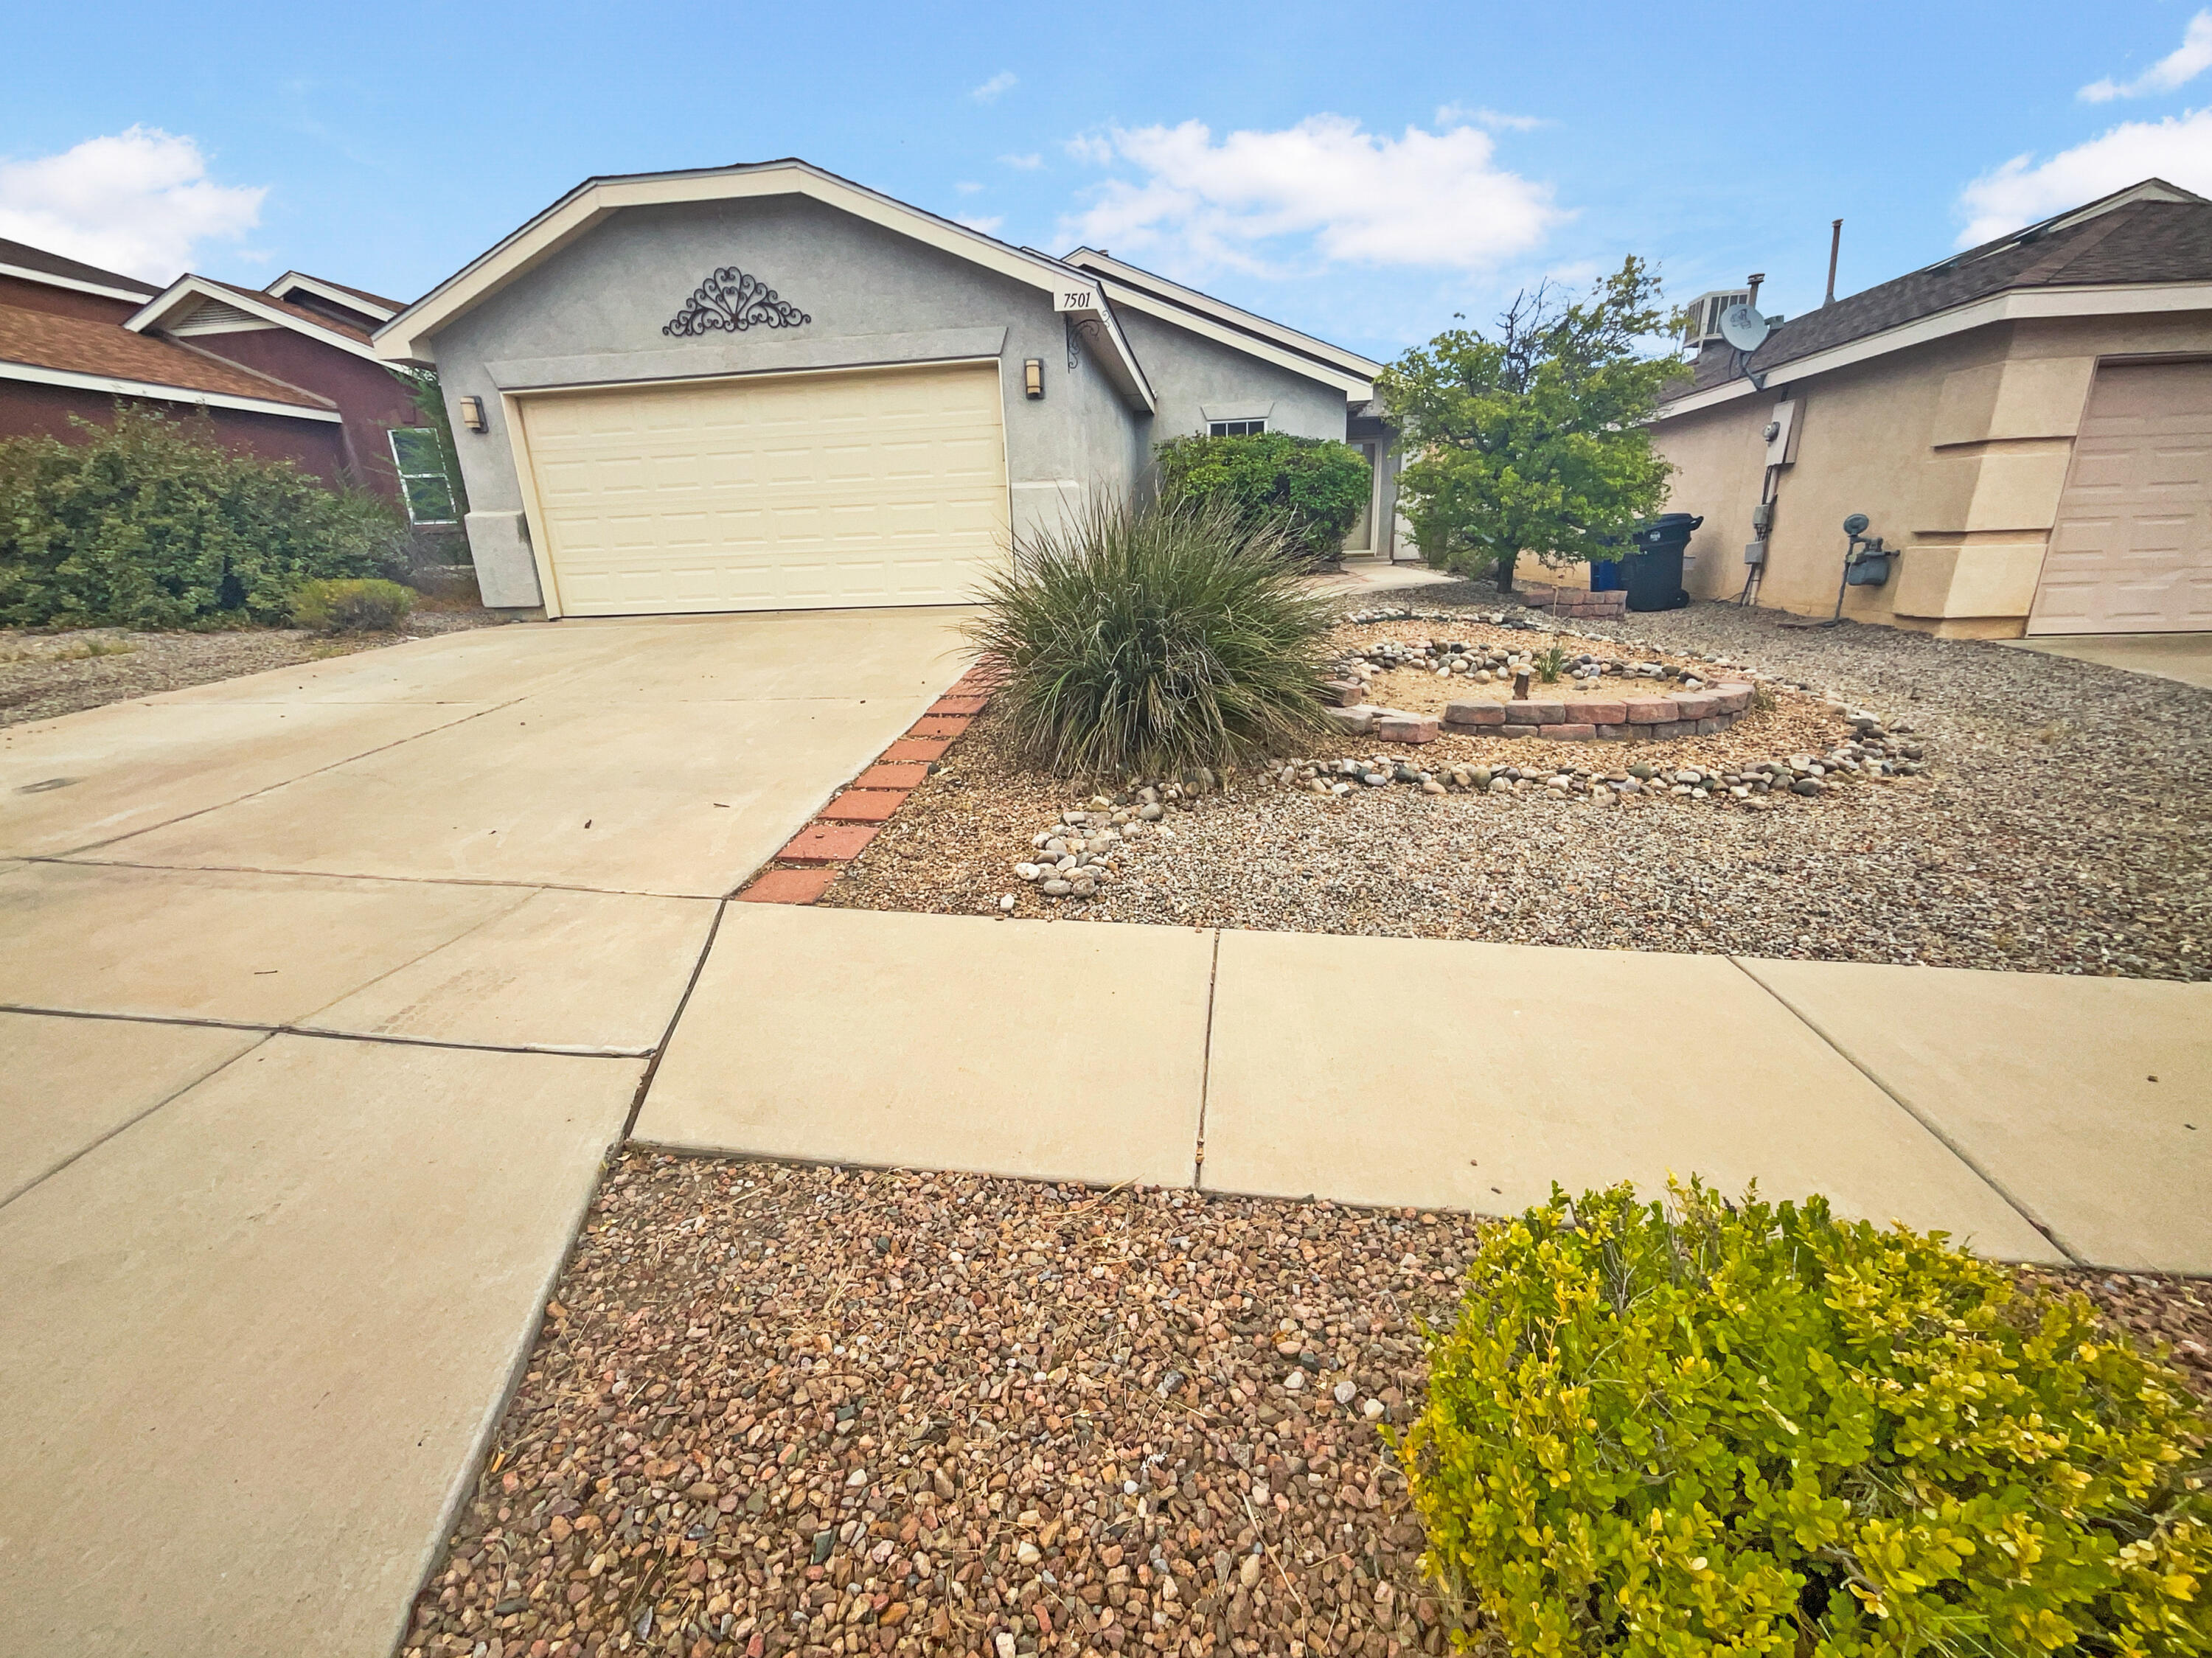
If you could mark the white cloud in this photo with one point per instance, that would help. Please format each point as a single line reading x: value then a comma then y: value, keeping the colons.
x: 968, y: 188
x: 2178, y: 150
x: 2176, y: 68
x: 1424, y: 198
x: 1451, y: 115
x: 999, y: 84
x: 1026, y: 163
x: 138, y: 202
x: 989, y: 226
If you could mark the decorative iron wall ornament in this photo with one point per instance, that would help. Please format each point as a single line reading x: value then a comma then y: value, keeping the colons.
x: 733, y: 301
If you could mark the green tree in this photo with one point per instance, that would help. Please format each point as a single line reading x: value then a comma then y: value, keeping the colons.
x: 1532, y: 439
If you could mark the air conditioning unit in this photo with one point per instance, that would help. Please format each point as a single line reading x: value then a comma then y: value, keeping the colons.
x: 1706, y: 311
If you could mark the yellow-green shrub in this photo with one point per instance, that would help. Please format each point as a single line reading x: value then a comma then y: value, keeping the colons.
x: 349, y: 606
x: 1749, y: 1428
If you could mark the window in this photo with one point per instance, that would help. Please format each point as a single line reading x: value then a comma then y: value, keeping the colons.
x: 1238, y: 428
x: 422, y: 478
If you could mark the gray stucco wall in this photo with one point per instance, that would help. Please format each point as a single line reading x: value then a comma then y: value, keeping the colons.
x: 1188, y: 372
x: 592, y: 312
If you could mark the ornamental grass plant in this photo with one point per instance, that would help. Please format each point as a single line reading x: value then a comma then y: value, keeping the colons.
x: 1150, y: 640
x: 1706, y: 1427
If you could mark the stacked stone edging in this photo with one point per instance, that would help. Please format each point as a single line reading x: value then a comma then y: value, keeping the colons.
x: 1577, y: 604
x: 1691, y: 713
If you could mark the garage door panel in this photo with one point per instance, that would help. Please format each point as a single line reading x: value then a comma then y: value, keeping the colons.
x: 2131, y: 549
x: 799, y: 491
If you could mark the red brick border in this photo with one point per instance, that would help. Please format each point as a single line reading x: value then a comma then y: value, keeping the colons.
x: 813, y: 858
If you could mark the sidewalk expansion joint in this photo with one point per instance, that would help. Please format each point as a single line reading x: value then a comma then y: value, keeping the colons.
x: 83, y: 1151
x: 285, y: 782
x: 1205, y: 1066
x: 1942, y: 1136
x: 668, y: 1034
x: 557, y: 1050
x: 76, y: 860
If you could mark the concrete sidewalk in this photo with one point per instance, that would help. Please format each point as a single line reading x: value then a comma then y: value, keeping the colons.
x: 2041, y: 1118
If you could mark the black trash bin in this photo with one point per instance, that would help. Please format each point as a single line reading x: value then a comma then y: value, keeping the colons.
x: 1654, y: 574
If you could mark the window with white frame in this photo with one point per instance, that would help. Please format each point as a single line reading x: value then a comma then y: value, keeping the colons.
x: 1236, y: 429
x: 428, y: 492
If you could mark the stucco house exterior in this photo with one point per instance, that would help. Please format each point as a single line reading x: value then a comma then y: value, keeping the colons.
x: 2029, y: 421
x: 285, y: 371
x: 766, y: 387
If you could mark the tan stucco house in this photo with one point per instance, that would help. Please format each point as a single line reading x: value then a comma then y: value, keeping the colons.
x: 2030, y: 421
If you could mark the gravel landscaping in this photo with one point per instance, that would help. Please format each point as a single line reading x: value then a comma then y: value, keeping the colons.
x: 777, y: 1408
x: 780, y: 1408
x: 2055, y: 817
x: 45, y: 674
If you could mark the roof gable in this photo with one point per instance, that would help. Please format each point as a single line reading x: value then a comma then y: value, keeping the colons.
x: 410, y: 336
x: 358, y: 302
x: 190, y: 293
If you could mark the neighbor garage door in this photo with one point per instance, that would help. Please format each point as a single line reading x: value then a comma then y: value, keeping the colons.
x: 787, y: 492
x: 2132, y: 549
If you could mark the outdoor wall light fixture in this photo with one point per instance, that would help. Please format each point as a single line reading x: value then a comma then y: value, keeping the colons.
x: 472, y: 414
x: 1033, y: 377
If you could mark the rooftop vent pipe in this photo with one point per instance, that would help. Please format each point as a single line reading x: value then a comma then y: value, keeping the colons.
x: 1835, y: 246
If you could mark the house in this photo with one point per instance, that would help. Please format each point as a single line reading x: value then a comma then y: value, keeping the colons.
x: 2030, y: 421
x: 285, y: 371
x: 764, y: 386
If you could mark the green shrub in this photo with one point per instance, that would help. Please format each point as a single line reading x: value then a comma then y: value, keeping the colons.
x: 1152, y: 639
x: 346, y: 606
x: 1754, y: 1428
x: 1313, y: 488
x: 151, y: 523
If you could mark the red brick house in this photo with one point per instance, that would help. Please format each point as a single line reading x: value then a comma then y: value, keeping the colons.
x: 284, y: 372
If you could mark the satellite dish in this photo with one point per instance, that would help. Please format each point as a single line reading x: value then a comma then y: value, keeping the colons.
x: 1855, y: 525
x: 1743, y: 328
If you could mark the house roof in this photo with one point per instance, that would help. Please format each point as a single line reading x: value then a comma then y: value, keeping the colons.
x: 21, y: 259
x: 41, y: 347
x: 1147, y: 291
x: 410, y: 336
x: 2149, y: 234
x: 188, y: 293
x: 358, y: 300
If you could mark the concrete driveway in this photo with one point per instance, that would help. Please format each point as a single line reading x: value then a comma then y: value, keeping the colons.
x: 324, y: 993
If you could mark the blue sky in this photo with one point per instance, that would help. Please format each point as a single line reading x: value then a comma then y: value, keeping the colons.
x: 1361, y: 172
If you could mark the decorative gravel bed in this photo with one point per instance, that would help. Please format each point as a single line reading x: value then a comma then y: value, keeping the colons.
x: 797, y: 1409
x: 45, y: 674
x: 2062, y: 822
x: 780, y: 1408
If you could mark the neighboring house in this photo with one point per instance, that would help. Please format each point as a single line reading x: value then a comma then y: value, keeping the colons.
x: 286, y: 372
x: 765, y: 387
x: 2030, y: 421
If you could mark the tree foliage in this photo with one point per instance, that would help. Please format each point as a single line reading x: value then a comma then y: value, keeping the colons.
x: 1311, y: 490
x: 151, y: 523
x: 1531, y: 438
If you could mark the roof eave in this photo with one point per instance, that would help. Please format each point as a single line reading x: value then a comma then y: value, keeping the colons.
x: 410, y: 337
x: 2007, y: 305
x: 1094, y: 263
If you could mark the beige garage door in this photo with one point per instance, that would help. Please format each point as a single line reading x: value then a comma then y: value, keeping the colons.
x: 787, y: 492
x: 2132, y: 549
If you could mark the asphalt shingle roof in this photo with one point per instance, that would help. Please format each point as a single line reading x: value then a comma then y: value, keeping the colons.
x: 40, y: 339
x: 24, y: 257
x: 2144, y: 242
